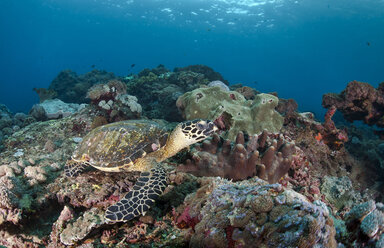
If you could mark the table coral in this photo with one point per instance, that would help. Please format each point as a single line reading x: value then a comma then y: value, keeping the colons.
x: 268, y: 155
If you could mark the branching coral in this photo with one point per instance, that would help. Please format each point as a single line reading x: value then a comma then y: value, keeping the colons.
x: 268, y: 155
x: 329, y: 134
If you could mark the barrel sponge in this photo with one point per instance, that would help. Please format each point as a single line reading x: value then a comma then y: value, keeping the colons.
x: 231, y: 110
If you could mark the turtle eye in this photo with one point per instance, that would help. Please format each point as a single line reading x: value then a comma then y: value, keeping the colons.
x: 200, y: 126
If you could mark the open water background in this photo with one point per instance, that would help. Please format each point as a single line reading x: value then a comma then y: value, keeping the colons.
x: 300, y: 49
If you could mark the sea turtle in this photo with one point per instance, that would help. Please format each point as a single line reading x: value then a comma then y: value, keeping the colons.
x: 135, y: 145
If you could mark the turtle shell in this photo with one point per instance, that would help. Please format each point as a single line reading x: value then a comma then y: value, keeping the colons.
x: 120, y: 143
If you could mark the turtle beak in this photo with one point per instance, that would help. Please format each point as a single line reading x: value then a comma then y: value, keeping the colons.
x: 211, y: 128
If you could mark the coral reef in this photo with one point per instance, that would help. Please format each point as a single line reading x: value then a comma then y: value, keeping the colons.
x: 366, y: 224
x: 10, y: 123
x: 329, y: 134
x: 232, y: 111
x: 158, y: 88
x: 287, y: 108
x: 54, y: 109
x: 70, y: 87
x: 366, y: 147
x: 208, y: 72
x: 339, y: 192
x: 33, y: 158
x: 45, y: 94
x: 359, y: 101
x: 268, y: 156
x: 326, y: 189
x: 112, y: 101
x: 248, y: 92
x: 220, y: 84
x: 79, y: 229
x: 253, y: 213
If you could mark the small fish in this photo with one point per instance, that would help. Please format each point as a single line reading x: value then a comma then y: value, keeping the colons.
x: 368, y: 43
x: 133, y: 65
x: 93, y: 66
x: 319, y: 137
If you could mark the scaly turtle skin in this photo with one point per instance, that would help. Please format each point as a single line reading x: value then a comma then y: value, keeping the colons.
x: 136, y: 145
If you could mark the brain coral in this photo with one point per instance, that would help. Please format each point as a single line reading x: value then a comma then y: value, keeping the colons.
x: 232, y: 111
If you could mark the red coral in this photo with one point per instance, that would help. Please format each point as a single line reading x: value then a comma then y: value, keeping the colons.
x: 329, y: 134
x: 79, y: 126
x: 229, y: 232
x: 185, y: 220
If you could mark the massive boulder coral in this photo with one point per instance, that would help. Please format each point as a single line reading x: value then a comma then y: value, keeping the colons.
x: 268, y: 155
x: 232, y: 111
x: 253, y: 213
x: 359, y: 101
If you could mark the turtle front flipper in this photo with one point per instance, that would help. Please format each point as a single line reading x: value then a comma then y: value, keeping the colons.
x: 73, y: 168
x: 147, y: 189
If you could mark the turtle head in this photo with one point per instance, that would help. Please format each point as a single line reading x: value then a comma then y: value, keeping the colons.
x: 184, y: 135
x: 196, y: 130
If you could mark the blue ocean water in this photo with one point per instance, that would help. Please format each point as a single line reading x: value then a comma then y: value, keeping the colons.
x: 298, y: 48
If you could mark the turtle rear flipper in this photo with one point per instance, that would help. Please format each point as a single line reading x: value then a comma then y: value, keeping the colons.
x: 147, y: 189
x: 73, y: 168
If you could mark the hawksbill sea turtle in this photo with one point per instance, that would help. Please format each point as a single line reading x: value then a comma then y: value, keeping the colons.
x: 136, y: 145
